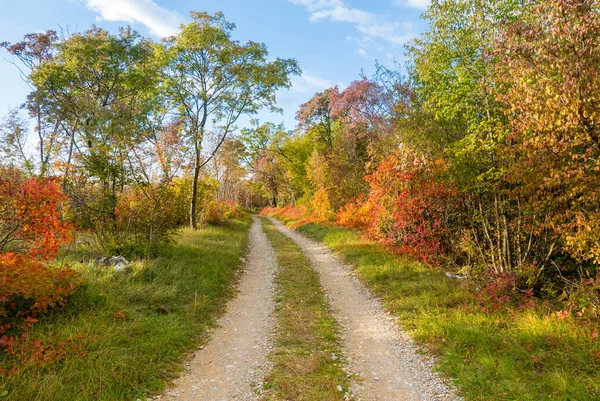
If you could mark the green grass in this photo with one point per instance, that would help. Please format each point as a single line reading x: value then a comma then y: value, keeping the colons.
x: 509, y: 355
x: 307, y: 350
x: 168, y: 304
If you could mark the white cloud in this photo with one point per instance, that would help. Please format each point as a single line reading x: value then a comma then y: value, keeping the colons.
x: 396, y: 33
x: 361, y: 52
x: 160, y: 21
x: 310, y: 82
x: 313, y: 5
x: 370, y: 25
x: 420, y: 4
x: 344, y: 14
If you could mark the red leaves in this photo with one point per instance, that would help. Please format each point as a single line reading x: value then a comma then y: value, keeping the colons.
x: 31, y: 214
x: 31, y: 226
x: 29, y: 287
x: 34, y: 284
x: 406, y: 209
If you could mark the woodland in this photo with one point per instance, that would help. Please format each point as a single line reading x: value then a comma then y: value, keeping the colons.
x: 478, y: 159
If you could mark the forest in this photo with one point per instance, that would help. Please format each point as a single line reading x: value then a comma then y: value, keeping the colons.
x: 474, y: 165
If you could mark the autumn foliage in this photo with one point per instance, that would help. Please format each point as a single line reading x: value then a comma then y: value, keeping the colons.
x: 30, y: 208
x: 406, y: 209
x: 31, y: 231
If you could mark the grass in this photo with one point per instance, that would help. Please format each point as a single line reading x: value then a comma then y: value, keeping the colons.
x: 130, y: 331
x: 307, y: 350
x: 508, y: 355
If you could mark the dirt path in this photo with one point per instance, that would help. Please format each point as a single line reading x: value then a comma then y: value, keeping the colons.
x: 235, y: 360
x: 385, y: 360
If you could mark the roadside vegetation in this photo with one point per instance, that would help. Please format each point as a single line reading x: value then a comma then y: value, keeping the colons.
x: 106, y: 160
x: 493, y: 351
x: 478, y: 159
x: 123, y: 334
x: 307, y: 355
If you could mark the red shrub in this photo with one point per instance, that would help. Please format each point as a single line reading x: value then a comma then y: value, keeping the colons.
x: 406, y: 209
x: 32, y: 228
x: 30, y: 211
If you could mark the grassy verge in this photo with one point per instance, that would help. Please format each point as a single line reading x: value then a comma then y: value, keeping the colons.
x: 508, y: 355
x: 307, y: 350
x: 126, y: 333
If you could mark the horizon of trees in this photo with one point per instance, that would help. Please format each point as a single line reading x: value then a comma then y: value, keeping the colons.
x: 481, y: 154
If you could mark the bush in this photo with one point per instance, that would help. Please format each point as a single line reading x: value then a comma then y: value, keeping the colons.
x: 30, y: 215
x: 407, y: 209
x: 29, y: 287
x: 31, y: 227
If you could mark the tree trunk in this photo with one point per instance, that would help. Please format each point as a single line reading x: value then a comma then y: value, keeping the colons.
x: 194, y: 201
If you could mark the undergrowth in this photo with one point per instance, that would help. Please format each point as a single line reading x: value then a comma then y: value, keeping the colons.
x: 507, y: 353
x: 126, y: 333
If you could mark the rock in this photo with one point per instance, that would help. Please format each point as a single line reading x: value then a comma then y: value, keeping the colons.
x: 120, y: 267
x: 456, y: 276
x: 118, y: 262
x: 102, y: 260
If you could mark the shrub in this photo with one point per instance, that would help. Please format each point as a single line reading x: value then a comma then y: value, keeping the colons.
x: 355, y: 214
x: 407, y: 209
x: 30, y: 215
x: 32, y: 228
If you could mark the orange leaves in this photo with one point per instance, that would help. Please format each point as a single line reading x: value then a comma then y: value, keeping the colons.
x: 406, y: 209
x: 355, y: 214
x: 31, y: 215
x: 29, y: 287
x: 550, y: 66
x: 31, y: 226
x: 119, y: 317
x: 36, y: 286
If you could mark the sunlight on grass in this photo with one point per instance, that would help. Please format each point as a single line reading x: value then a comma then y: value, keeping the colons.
x: 307, y: 335
x: 131, y: 330
x: 509, y: 355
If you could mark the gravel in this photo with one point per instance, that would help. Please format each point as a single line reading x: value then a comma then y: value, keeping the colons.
x: 233, y: 363
x: 385, y: 363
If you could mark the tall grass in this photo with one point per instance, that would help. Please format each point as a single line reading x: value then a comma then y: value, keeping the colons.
x: 130, y: 331
x: 511, y: 354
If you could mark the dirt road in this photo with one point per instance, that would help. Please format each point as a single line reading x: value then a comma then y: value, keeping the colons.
x: 231, y: 366
x: 383, y: 361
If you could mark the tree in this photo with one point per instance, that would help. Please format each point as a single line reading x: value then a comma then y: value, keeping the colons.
x: 102, y: 89
x: 13, y: 142
x: 33, y: 51
x: 272, y: 174
x: 259, y: 139
x: 551, y: 69
x: 213, y: 79
x: 453, y: 69
x: 315, y: 116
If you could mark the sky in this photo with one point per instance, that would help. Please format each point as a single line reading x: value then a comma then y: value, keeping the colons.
x: 332, y: 40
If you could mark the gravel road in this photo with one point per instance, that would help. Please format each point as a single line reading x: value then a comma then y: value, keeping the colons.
x: 233, y: 363
x: 385, y: 361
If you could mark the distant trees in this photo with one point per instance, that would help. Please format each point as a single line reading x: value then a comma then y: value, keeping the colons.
x: 485, y: 157
x: 125, y: 121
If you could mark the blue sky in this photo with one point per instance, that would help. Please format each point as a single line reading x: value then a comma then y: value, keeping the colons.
x: 331, y: 39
